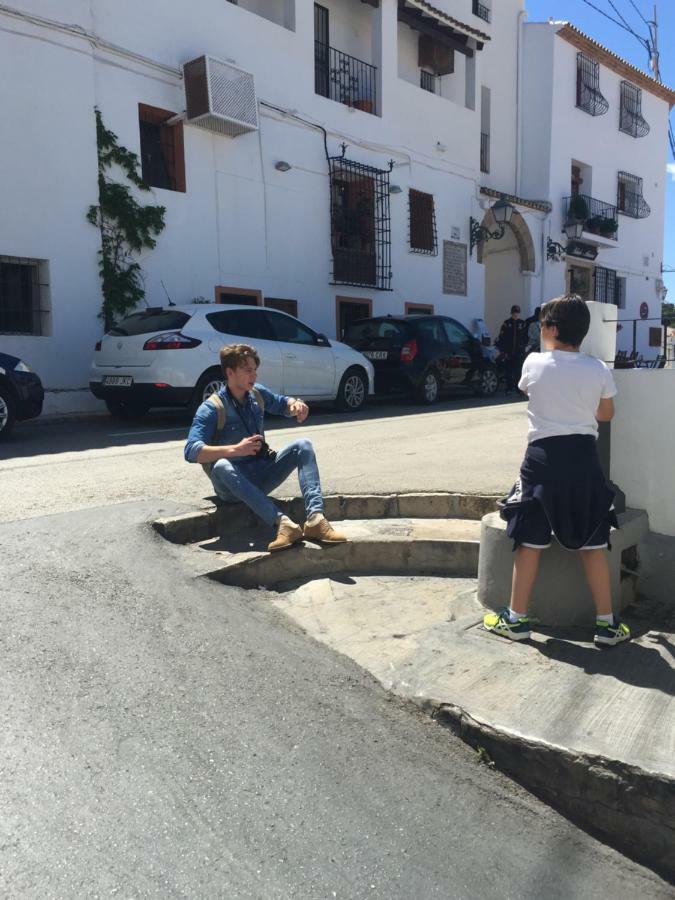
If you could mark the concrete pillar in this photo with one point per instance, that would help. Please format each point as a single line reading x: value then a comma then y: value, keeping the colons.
x: 385, y: 55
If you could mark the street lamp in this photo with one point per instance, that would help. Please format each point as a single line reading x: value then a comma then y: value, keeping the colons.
x: 501, y: 212
x: 574, y: 229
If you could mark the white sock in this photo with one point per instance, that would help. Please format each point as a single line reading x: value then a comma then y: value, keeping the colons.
x: 314, y: 519
x: 609, y: 618
x: 284, y: 520
x: 514, y: 616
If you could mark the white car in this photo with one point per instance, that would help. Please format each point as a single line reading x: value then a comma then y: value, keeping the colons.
x: 168, y: 356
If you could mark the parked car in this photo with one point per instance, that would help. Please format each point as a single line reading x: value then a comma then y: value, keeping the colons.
x: 423, y: 355
x: 21, y: 393
x: 168, y: 356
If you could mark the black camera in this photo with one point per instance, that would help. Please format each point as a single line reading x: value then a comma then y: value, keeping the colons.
x: 266, y: 452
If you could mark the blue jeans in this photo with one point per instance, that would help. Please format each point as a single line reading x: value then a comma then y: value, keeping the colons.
x: 251, y: 482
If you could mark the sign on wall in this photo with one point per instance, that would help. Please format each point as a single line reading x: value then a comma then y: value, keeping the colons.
x: 454, y: 267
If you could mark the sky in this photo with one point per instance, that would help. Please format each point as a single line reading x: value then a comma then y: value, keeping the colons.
x: 597, y: 26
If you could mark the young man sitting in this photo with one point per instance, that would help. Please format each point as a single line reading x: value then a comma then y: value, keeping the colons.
x: 238, y: 459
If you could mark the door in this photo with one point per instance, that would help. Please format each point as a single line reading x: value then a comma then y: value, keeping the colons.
x: 321, y: 51
x: 308, y: 367
x: 462, y: 364
x: 248, y: 326
x: 351, y: 311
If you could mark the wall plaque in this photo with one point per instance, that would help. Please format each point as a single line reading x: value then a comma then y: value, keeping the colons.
x: 454, y: 268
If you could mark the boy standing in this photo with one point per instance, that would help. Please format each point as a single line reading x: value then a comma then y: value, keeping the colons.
x: 561, y: 486
x: 240, y: 463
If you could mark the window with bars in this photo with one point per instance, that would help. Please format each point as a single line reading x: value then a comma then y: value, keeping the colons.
x: 427, y: 81
x: 422, y: 222
x: 629, y: 199
x: 287, y: 306
x: 360, y: 224
x: 24, y: 296
x: 162, y: 149
x: 631, y: 120
x: 609, y: 287
x: 589, y: 97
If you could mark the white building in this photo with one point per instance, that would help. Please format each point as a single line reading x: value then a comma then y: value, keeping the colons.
x: 465, y: 99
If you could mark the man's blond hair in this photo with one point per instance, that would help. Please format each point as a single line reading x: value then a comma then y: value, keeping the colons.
x: 232, y: 356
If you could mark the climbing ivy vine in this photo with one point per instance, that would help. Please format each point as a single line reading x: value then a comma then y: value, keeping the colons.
x: 126, y: 226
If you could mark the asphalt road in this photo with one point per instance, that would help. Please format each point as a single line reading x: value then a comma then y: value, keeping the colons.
x: 162, y: 736
x: 462, y: 444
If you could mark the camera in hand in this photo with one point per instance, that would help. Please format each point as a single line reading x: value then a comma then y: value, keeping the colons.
x: 264, y: 451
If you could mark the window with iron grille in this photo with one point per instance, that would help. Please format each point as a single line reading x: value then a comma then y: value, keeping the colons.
x: 589, y: 97
x: 481, y: 10
x: 24, y: 296
x: 162, y: 151
x: 631, y: 120
x: 428, y: 81
x: 360, y: 224
x: 620, y: 292
x: 422, y: 221
x: 629, y: 199
x: 606, y: 288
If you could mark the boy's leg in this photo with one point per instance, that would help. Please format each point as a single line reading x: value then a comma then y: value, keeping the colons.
x: 296, y: 456
x: 227, y: 478
x: 525, y: 568
x: 608, y: 630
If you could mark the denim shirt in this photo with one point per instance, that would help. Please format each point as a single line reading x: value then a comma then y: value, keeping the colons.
x: 205, y: 422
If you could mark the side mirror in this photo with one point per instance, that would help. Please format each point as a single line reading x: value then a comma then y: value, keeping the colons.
x: 322, y: 340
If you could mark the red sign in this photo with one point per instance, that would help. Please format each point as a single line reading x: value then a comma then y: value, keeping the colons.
x: 644, y: 310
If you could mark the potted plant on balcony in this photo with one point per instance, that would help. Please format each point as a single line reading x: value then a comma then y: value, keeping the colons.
x: 608, y: 227
x: 595, y: 224
x: 578, y: 209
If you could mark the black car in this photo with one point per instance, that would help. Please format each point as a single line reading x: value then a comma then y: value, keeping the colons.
x: 423, y: 355
x: 21, y: 393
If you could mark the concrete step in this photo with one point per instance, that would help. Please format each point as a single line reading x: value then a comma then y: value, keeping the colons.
x: 422, y: 546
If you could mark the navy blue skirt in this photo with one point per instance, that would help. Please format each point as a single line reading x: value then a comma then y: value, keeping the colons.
x: 563, y: 490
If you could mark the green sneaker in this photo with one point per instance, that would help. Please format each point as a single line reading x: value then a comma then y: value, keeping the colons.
x: 607, y: 635
x: 499, y: 623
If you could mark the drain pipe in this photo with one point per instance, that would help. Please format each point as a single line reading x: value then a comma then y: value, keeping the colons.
x: 519, y: 103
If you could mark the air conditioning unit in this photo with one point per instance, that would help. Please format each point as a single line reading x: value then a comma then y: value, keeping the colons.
x: 220, y: 97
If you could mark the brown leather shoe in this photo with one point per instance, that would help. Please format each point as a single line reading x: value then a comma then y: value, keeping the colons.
x: 288, y: 534
x: 323, y: 532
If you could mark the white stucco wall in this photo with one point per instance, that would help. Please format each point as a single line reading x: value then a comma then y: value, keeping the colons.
x: 643, y: 435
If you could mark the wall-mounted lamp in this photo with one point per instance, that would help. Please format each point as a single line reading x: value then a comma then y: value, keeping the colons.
x: 501, y: 212
x: 554, y: 250
x: 282, y: 166
x: 395, y: 189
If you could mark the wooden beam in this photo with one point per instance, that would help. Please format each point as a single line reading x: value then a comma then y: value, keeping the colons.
x: 440, y: 33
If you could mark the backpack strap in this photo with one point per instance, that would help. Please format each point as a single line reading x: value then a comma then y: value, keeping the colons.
x: 221, y: 412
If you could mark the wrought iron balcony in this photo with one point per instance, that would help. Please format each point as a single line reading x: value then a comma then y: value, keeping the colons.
x: 344, y: 78
x: 484, y: 152
x: 598, y: 217
x: 482, y: 11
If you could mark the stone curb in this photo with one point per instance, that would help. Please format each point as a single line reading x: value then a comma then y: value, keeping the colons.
x: 631, y: 809
x: 230, y: 518
x: 450, y: 558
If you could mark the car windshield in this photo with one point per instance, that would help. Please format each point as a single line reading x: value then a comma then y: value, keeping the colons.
x: 374, y: 329
x: 150, y: 320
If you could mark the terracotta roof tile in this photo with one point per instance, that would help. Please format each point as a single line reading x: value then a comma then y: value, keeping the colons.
x: 444, y: 18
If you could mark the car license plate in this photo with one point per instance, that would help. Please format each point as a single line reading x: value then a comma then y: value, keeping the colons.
x: 117, y: 381
x: 375, y: 354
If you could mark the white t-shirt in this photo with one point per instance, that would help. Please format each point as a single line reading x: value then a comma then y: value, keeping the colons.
x: 565, y: 390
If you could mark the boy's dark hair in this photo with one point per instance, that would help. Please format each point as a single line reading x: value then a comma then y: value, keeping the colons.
x: 234, y: 355
x: 571, y: 316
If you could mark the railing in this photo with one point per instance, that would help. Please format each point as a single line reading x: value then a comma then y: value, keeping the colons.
x: 344, y: 78
x: 598, y: 217
x: 428, y: 81
x: 484, y: 152
x: 482, y: 11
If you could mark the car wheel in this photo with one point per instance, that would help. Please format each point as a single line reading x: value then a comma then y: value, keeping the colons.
x: 210, y: 382
x: 127, y: 410
x: 489, y: 382
x: 429, y: 388
x: 353, y: 391
x: 7, y: 414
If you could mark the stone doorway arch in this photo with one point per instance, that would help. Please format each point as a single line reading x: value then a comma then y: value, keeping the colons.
x: 508, y: 263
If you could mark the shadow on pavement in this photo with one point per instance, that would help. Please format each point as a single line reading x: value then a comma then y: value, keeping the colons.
x: 632, y: 663
x: 40, y: 437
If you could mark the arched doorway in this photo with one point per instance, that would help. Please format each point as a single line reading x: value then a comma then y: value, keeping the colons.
x: 506, y: 263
